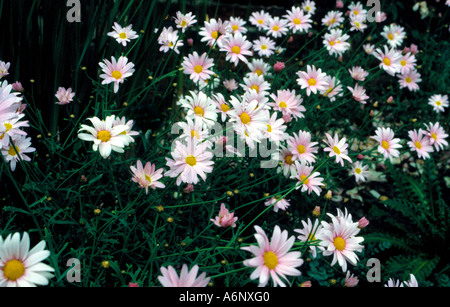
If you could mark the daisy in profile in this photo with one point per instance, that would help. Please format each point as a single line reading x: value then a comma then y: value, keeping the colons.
x: 334, y: 88
x: 191, y: 159
x: 436, y: 134
x: 368, y: 48
x: 272, y: 259
x: 264, y: 46
x: 410, y: 80
x: 231, y: 85
x: 287, y: 163
x: 123, y: 35
x: 302, y: 148
x: 390, y: 60
x: 308, y: 233
x: 438, y: 102
x: 307, y: 180
x: 169, y: 40
x: 4, y: 69
x: 106, y: 136
x: 16, y: 150
x: 64, y: 96
x: 420, y: 143
x: 359, y: 93
x: 198, y: 67
x: 288, y: 103
x: 237, y: 25
x: 237, y: 48
x: 184, y: 21
x: 122, y: 121
x: 225, y: 218
x: 277, y: 27
x: 20, y: 266
x: 148, y: 176
x: 187, y: 278
x: 276, y: 129
x: 313, y: 80
x: 260, y: 19
x: 387, y: 144
x: 213, y: 31
x: 339, y: 239
x: 222, y: 106
x: 298, y: 21
x: 358, y: 73
x: 360, y: 171
x: 336, y: 42
x: 333, y: 19
x: 278, y: 203
x: 116, y: 71
x: 200, y: 106
x: 394, y: 35
x: 337, y: 148
x: 8, y: 101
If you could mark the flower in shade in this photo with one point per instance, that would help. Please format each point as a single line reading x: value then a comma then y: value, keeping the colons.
x: 230, y: 85
x: 412, y: 282
x: 106, y: 136
x: 360, y: 171
x: 8, y: 102
x: 277, y: 27
x: 190, y: 160
x: 302, y: 148
x: 278, y: 203
x: 410, y: 79
x: 438, y: 102
x: 393, y: 283
x: 225, y: 218
x: 337, y: 148
x: 359, y: 93
x: 308, y: 234
x: 387, y: 144
x: 187, y: 278
x: 420, y: 143
x: 273, y: 259
x: 123, y: 35
x: 264, y: 46
x: 358, y: 73
x: 339, y: 239
x: 260, y: 19
x: 313, y: 80
x: 4, y: 69
x: 436, y: 135
x: 116, y: 71
x: 237, y: 48
x: 184, y: 21
x: 16, y: 150
x: 198, y: 67
x: 307, y: 180
x: 298, y: 21
x: 64, y: 96
x: 17, y: 87
x: 20, y: 266
x: 390, y: 60
x: 147, y: 176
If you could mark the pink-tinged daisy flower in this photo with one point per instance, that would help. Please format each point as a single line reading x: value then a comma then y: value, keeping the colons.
x: 251, y: 94
x: 336, y: 42
x: 123, y: 35
x: 198, y: 67
x: 420, y: 143
x: 257, y: 83
x: 410, y: 80
x: 20, y: 266
x: 287, y: 163
x: 12, y: 128
x: 334, y: 88
x: 333, y: 19
x: 351, y: 280
x: 127, y: 132
x: 309, y: 7
x: 222, y: 106
x: 17, y: 87
x: 230, y: 85
x: 358, y: 23
x: 313, y: 80
x: 369, y: 48
x: 408, y: 62
x: 276, y: 129
x: 436, y: 135
x: 4, y: 69
x: 337, y: 148
x: 277, y: 27
x: 380, y: 16
x: 308, y: 234
x: 288, y: 103
x: 360, y: 171
x: 264, y: 46
x: 116, y: 71
x: 213, y: 31
x: 277, y: 203
x: 302, y: 148
x: 259, y: 67
x: 358, y: 73
x: 106, y: 136
x: 237, y: 48
x: 307, y: 180
x: 359, y: 93
x: 260, y: 19
x: 394, y: 283
x: 237, y: 25
x: 273, y: 259
x: 297, y: 20
x: 184, y: 21
x: 438, y: 102
x: 394, y: 35
x: 8, y: 102
x: 169, y: 39
x: 225, y: 218
x: 339, y: 239
x: 193, y: 128
x: 200, y: 106
x: 16, y: 150
x: 390, y: 60
x: 64, y: 96
x: 147, y: 176
x: 187, y: 278
x: 190, y: 160
x: 357, y: 9
x: 387, y: 144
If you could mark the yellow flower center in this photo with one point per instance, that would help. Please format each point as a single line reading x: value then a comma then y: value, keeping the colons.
x: 390, y: 36
x: 438, y: 103
x: 199, y: 111
x: 403, y: 62
x: 8, y: 127
x: 198, y: 69
x: 387, y: 62
x: 337, y: 150
x: 332, y: 21
x: 255, y: 87
x: 297, y: 21
x: 283, y: 104
x: 276, y: 28
x: 183, y: 23
x: 149, y: 179
x: 195, y: 134
x: 418, y: 145
x: 355, y: 12
x: 434, y: 136
x: 358, y: 171
x: 269, y: 128
x: 123, y: 35
x: 288, y: 160
x: 215, y: 34
x: 12, y: 152
x: 304, y: 179
x: 270, y: 260
x: 260, y: 21
x: 339, y: 243
x: 170, y: 44
x: 225, y: 107
x: 13, y: 270
x: 116, y: 74
x: 312, y: 237
x: 104, y: 136
x: 235, y: 27
x: 385, y: 145
x: 312, y: 82
x: 408, y: 80
x: 301, y: 149
x: 263, y: 47
x: 245, y: 118
x: 258, y: 72
x: 191, y: 160
x: 236, y: 50
x: 332, y: 43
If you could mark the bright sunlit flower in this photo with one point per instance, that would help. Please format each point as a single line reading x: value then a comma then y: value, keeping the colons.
x: 297, y: 20
x: 264, y: 46
x: 259, y: 67
x: 288, y: 103
x: 276, y: 129
x: 16, y: 150
x: 438, y: 102
x: 64, y: 96
x: 260, y: 19
x: 409, y: 80
x: 420, y: 143
x: 148, y: 176
x: 333, y: 19
x: 116, y: 71
x: 12, y: 129
x: 387, y: 144
x: 307, y: 180
x: 286, y: 157
x: 394, y: 35
x: 123, y: 35
x: 8, y: 101
x: 184, y: 21
x: 309, y: 232
x: 436, y: 134
x: 200, y: 106
x: 237, y: 25
x: 390, y: 60
x: 359, y: 93
x: 302, y: 148
x: 408, y: 62
x: 277, y: 27
x: 213, y: 31
x: 237, y: 48
x: 337, y: 148
x: 257, y: 83
x: 313, y: 80
x: 187, y: 278
x: 336, y: 42
x: 360, y: 171
x: 334, y: 88
x: 309, y: 6
x: 198, y: 67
